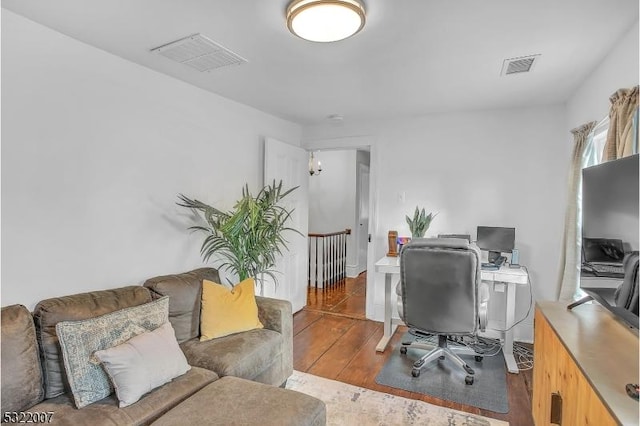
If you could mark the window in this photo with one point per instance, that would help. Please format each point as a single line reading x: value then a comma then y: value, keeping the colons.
x: 596, y: 143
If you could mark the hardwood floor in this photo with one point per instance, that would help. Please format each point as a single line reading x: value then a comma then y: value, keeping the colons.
x: 347, y: 297
x: 333, y: 340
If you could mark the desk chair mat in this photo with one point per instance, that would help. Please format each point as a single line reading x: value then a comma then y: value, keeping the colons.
x: 444, y: 380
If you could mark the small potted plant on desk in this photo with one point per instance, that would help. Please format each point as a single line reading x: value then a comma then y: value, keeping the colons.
x: 420, y: 222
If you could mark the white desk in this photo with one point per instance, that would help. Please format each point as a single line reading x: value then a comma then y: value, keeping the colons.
x: 390, y: 266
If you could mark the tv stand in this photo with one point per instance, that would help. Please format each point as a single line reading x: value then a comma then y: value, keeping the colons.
x: 586, y: 357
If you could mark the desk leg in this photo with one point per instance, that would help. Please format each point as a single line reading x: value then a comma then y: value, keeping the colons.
x: 507, y: 350
x: 389, y: 327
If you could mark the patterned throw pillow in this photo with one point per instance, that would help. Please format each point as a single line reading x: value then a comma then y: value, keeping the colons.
x: 80, y: 339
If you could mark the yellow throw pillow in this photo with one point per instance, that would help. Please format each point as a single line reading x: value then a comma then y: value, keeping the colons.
x: 226, y: 311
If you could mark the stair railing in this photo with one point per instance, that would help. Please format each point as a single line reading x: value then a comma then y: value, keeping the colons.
x: 327, y: 258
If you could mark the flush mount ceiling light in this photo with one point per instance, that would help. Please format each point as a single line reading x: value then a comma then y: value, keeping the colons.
x: 325, y: 20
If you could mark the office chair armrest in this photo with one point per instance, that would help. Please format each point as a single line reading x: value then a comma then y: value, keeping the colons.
x: 399, y: 301
x: 483, y: 305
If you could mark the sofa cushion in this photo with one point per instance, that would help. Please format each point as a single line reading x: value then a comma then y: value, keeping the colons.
x: 228, y: 310
x: 244, y: 355
x: 143, y: 363
x: 234, y: 401
x: 49, y: 312
x: 185, y: 292
x: 79, y: 340
x: 22, y: 384
x: 107, y: 413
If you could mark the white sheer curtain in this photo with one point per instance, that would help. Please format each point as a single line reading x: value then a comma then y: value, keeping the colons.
x: 583, y: 156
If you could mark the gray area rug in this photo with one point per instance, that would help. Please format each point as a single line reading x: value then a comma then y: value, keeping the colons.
x: 353, y: 405
x: 444, y: 380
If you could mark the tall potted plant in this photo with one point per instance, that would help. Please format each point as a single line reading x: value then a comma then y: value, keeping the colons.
x: 247, y: 239
x: 420, y: 222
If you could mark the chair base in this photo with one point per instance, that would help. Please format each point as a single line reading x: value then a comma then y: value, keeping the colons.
x: 440, y: 352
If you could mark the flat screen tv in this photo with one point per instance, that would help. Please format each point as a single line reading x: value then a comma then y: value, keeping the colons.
x: 610, y: 230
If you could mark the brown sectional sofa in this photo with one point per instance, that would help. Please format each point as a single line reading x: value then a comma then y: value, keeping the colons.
x: 257, y: 361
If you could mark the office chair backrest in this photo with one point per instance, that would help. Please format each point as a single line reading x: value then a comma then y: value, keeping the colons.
x: 627, y: 294
x: 439, y: 279
x: 463, y: 236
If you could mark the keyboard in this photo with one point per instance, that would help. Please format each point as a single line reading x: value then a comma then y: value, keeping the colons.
x: 489, y: 266
x: 609, y: 269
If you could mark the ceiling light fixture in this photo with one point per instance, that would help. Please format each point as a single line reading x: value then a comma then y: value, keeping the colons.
x: 314, y: 168
x: 325, y: 20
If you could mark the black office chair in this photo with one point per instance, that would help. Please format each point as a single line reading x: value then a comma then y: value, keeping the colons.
x: 627, y: 294
x: 461, y: 236
x: 441, y: 293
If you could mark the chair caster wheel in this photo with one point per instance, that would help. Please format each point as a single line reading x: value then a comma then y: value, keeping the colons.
x: 415, y: 372
x: 403, y: 350
x: 468, y: 380
x: 479, y: 358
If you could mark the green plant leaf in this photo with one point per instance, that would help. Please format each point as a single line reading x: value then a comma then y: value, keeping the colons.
x: 419, y: 224
x: 246, y: 240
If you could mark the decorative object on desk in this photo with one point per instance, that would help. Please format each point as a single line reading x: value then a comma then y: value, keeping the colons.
x: 515, y: 258
x: 247, y: 239
x: 402, y: 241
x: 420, y: 222
x: 489, y: 390
x: 349, y: 405
x: 392, y: 239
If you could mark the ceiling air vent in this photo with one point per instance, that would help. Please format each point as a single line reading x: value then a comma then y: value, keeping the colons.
x: 519, y: 65
x: 198, y: 52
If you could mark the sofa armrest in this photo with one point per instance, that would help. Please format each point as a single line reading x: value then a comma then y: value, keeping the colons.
x: 276, y: 315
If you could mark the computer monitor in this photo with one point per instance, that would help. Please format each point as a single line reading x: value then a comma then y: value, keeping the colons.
x: 496, y: 240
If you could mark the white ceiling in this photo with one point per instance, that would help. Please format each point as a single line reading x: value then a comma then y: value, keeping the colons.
x: 413, y: 56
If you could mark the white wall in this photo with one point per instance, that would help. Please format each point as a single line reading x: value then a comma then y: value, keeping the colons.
x: 95, y: 150
x: 496, y: 168
x: 619, y: 69
x: 332, y: 194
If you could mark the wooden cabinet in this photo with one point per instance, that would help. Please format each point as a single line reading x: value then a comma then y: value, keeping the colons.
x: 587, y: 374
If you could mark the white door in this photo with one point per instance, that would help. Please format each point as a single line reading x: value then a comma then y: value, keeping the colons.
x: 289, y: 163
x: 363, y: 216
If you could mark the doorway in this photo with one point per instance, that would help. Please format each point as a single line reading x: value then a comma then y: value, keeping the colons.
x: 339, y: 211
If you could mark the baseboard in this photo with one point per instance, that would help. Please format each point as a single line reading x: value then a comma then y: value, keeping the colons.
x: 352, y: 271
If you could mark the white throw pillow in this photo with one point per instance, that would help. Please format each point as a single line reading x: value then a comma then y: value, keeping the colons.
x: 143, y: 363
